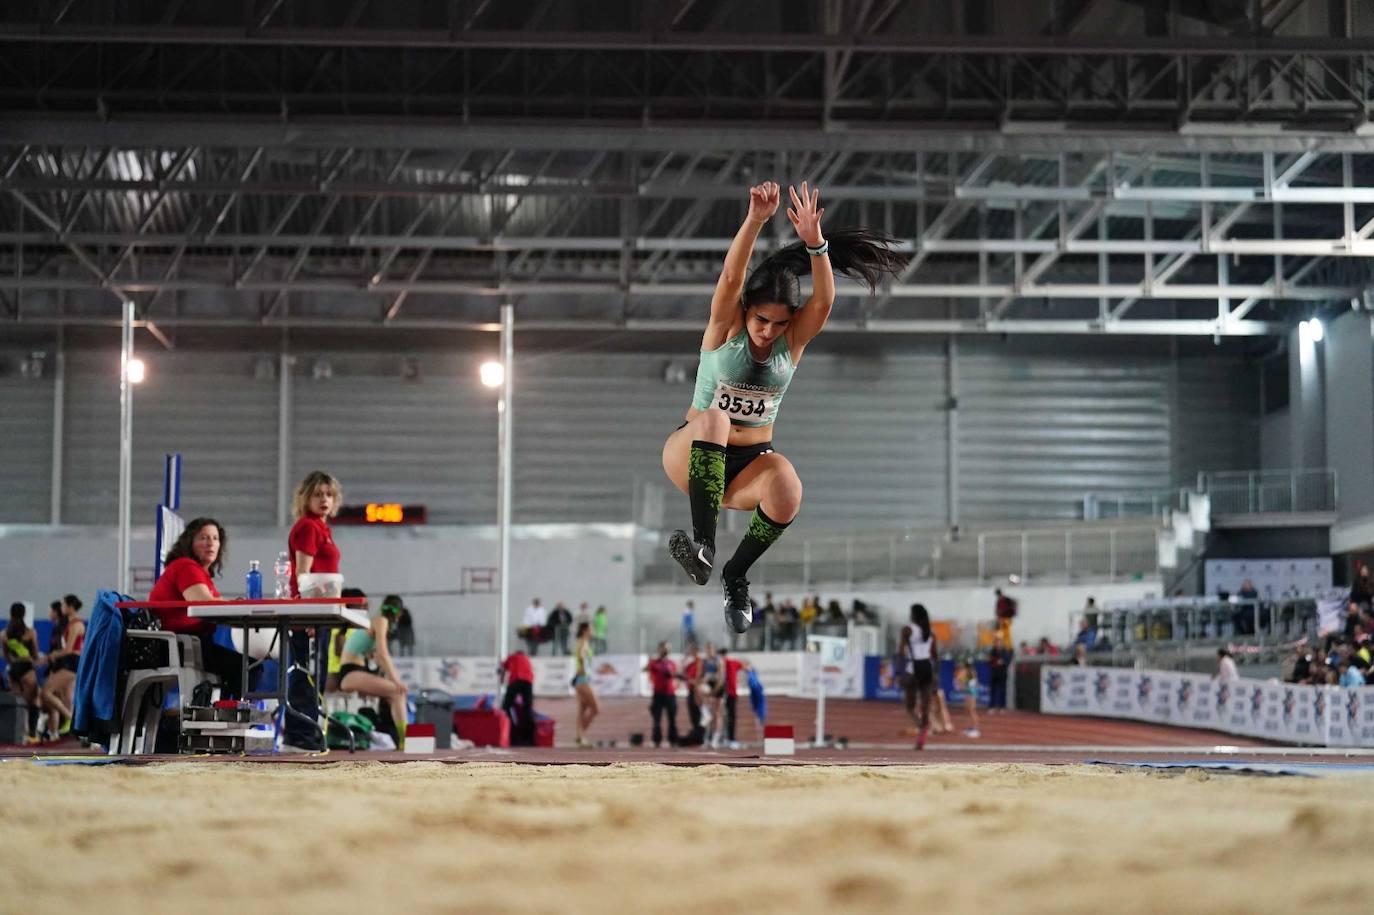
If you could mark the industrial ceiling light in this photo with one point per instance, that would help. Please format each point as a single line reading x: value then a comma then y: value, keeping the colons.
x: 322, y: 370
x: 493, y: 374
x: 137, y: 371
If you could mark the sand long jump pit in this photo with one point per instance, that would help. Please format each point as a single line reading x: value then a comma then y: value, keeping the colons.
x: 429, y: 837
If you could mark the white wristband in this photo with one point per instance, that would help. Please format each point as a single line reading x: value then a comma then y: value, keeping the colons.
x: 820, y: 250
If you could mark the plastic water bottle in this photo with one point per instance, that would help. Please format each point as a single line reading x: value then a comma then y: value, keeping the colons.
x: 281, y: 572
x: 254, y: 581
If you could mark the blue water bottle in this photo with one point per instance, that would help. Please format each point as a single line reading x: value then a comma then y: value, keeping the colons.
x: 254, y: 581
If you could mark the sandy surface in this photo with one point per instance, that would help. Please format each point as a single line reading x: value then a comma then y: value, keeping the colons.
x: 427, y: 837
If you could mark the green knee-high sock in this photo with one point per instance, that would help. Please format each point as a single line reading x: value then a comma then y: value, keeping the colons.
x: 705, y: 489
x: 763, y: 532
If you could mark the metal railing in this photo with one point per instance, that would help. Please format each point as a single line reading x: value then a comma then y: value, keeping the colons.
x: 1107, y: 506
x: 1086, y: 551
x: 1249, y: 492
x: 1207, y: 622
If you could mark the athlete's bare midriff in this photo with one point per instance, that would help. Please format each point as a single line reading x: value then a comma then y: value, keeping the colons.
x: 740, y: 435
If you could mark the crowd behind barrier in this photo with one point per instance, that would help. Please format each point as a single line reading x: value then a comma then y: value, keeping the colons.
x: 1208, y: 619
x: 1285, y: 712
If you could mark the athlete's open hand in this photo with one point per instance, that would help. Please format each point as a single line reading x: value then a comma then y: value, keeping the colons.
x: 806, y: 214
x: 763, y: 201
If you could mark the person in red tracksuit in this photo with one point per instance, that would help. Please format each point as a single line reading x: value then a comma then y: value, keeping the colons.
x: 663, y: 676
x: 732, y: 671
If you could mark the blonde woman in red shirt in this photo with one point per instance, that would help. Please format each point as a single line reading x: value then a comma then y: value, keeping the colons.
x: 311, y: 542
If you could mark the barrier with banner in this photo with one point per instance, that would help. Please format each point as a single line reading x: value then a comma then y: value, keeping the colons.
x: 880, y: 681
x: 1285, y: 712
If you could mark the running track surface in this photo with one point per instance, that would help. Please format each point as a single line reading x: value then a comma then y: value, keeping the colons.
x: 877, y: 733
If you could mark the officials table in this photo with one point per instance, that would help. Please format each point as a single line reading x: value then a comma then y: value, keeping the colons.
x: 326, y: 613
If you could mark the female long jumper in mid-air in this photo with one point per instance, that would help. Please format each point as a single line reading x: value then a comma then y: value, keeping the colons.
x: 723, y: 453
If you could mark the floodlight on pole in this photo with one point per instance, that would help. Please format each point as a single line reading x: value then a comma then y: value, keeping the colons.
x: 493, y: 374
x: 137, y: 371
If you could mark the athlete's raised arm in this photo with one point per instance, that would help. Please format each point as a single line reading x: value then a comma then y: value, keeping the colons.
x: 763, y: 203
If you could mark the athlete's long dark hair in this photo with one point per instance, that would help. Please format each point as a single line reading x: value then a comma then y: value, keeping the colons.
x: 921, y: 618
x: 861, y: 254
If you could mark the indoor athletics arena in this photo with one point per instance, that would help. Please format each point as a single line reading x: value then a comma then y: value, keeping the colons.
x: 680, y: 456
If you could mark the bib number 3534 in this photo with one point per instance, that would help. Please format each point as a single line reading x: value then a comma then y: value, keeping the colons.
x: 743, y: 404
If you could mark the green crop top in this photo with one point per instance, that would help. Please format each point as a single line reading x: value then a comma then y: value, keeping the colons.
x: 749, y: 392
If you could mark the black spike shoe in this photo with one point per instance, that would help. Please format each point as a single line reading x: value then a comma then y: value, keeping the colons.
x: 695, y: 558
x: 739, y: 612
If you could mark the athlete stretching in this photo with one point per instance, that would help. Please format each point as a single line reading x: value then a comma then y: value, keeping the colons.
x: 723, y: 453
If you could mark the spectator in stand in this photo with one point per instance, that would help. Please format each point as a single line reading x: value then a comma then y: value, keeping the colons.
x: 532, y: 626
x: 1087, y: 634
x: 403, y: 636
x: 1025, y: 650
x: 1352, y: 619
x: 64, y: 658
x: 584, y: 615
x: 560, y: 624
x: 1247, y: 591
x: 1362, y: 589
x: 1226, y: 667
x: 862, y: 614
x: 1080, y: 655
x: 1005, y: 610
x: 730, y: 669
x: 1301, y: 663
x: 834, y: 613
x: 191, y: 566
x: 20, y: 649
x: 518, y: 703
x: 689, y: 625
x: 691, y: 674
x: 810, y: 610
x: 789, y: 624
x: 663, y: 676
x: 769, y: 614
x: 1047, y: 647
x: 1352, y: 672
x: 599, y: 626
x: 999, y: 663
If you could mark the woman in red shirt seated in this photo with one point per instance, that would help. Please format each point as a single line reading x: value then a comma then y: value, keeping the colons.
x: 191, y: 565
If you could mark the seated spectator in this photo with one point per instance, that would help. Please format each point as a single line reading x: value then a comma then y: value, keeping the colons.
x: 64, y: 657
x: 192, y: 564
x: 834, y: 614
x: 1080, y: 654
x: 1047, y: 647
x: 1299, y: 663
x: 1362, y: 590
x: 20, y: 649
x: 532, y: 626
x: 1087, y: 635
x: 1351, y: 673
x: 1026, y: 650
x: 365, y: 668
x: 1247, y: 591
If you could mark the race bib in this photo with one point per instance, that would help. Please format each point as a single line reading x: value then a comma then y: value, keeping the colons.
x: 744, y: 404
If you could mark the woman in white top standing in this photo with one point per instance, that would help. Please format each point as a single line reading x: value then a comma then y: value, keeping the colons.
x: 918, y: 644
x: 1226, y: 666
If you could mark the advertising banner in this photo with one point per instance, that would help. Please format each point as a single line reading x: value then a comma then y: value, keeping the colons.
x: 1284, y: 712
x: 620, y: 675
